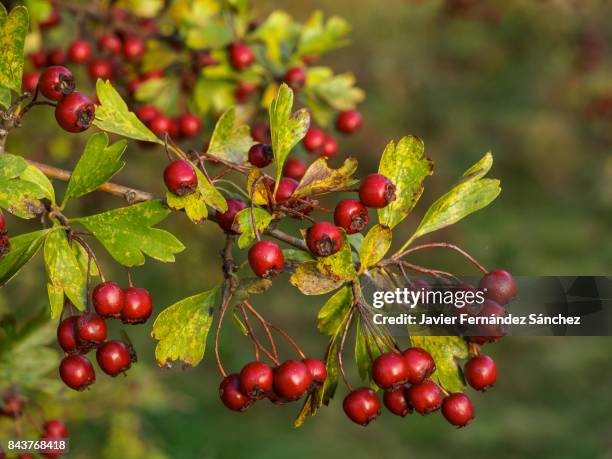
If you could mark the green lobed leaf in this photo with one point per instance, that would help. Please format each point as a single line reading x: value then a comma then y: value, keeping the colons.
x: 209, y: 193
x: 97, y: 165
x: 230, y: 142
x: 278, y: 32
x: 260, y: 196
x: 182, y: 329
x: 366, y: 351
x: 374, y: 247
x: 21, y: 198
x: 142, y: 8
x: 5, y: 97
x: 337, y: 92
x: 319, y: 178
x: 163, y: 93
x: 297, y: 255
x: 13, y: 30
x: 251, y: 286
x: 11, y: 166
x: 113, y: 115
x: 334, y: 310
x: 446, y: 352
x: 318, y: 37
x: 244, y: 225
x: 211, y: 94
x: 128, y: 235
x: 339, y: 266
x: 309, y: 280
x: 210, y: 35
x: 23, y: 248
x: 35, y: 176
x: 193, y: 204
x: 407, y: 167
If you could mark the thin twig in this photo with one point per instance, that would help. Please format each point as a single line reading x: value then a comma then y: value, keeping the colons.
x: 341, y: 348
x: 445, y: 245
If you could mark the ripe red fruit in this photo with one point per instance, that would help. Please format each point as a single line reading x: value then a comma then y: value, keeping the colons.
x: 137, y: 306
x: 294, y: 168
x: 29, y: 81
x: 244, y: 90
x: 77, y: 372
x: 266, y: 258
x: 100, y: 68
x: 397, y: 402
x: 486, y: 333
x: 260, y: 155
x: 55, y: 428
x: 349, y: 121
x: 160, y: 125
x: 180, y: 177
x: 50, y: 450
x: 292, y: 379
x: 66, y: 334
x: 114, y: 357
x: 351, y: 215
x: 110, y: 43
x: 286, y: 187
x: 458, y: 409
x: 75, y: 112
x: 90, y: 331
x: 56, y: 82
x: 261, y: 133
x: 226, y: 219
x: 189, y: 125
x: 425, y: 397
x: 314, y: 139
x: 56, y: 57
x: 480, y: 372
x: 329, y: 147
x: 39, y: 59
x: 389, y: 371
x: 13, y: 405
x: 241, y: 56
x: 146, y: 113
x: 108, y: 298
x: 323, y: 239
x: 133, y: 48
x: 296, y: 78
x: 52, y: 20
x: 362, y: 406
x: 79, y: 51
x: 231, y: 396
x: 376, y: 191
x: 500, y: 286
x: 317, y: 370
x: 2, y: 222
x: 419, y: 363
x: 256, y: 379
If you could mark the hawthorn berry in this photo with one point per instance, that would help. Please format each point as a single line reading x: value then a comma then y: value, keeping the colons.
x: 295, y: 78
x: 77, y: 372
x: 49, y: 450
x: 396, y: 401
x: 137, y: 307
x: 133, y: 48
x: 389, y: 371
x: 38, y: 59
x: 349, y: 121
x: 13, y: 405
x: 241, y: 56
x: 90, y: 331
x: 260, y: 155
x: 244, y: 90
x: 500, y: 286
x: 108, y: 298
x: 56, y: 82
x: 376, y: 191
x: 294, y: 168
x: 114, y: 357
x: 362, y: 406
x: 226, y: 219
x: 323, y: 239
x: 52, y: 20
x: 100, y: 68
x: 79, y: 51
x: 457, y: 408
x: 256, y: 379
x: 314, y: 140
x: 189, y: 125
x: 2, y: 222
x: 231, y: 396
x: 425, y: 397
x: 180, y: 177
x: 146, y: 113
x: 66, y: 334
x: 29, y: 80
x: 351, y: 215
x: 329, y: 147
x: 286, y: 187
x: 292, y: 379
x: 266, y: 258
x: 491, y: 331
x: 317, y: 369
x: 55, y: 428
x: 419, y: 363
x: 160, y: 125
x: 56, y: 57
x: 110, y: 43
x: 75, y: 112
x: 261, y: 133
x: 480, y: 372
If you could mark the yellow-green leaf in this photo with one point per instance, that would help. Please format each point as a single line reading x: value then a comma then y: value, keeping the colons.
x: 260, y: 195
x: 334, y: 310
x: 364, y: 346
x: 447, y: 351
x: 338, y: 266
x: 319, y: 37
x: 309, y: 280
x: 320, y: 178
x: 374, y: 247
x: 228, y: 141
x: 244, y: 225
x: 13, y: 30
x: 23, y: 248
x: 194, y: 205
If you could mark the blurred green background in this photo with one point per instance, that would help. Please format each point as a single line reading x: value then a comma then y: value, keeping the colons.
x: 526, y: 79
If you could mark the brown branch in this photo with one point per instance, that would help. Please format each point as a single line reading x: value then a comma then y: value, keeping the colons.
x: 445, y: 245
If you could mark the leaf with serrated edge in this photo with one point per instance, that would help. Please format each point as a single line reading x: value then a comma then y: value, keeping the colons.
x: 374, y: 247
x: 228, y: 141
x: 194, y: 205
x: 338, y: 266
x: 21, y: 198
x: 309, y: 280
x: 334, y: 310
x: 260, y: 195
x: 244, y: 224
x: 446, y: 351
x: 13, y: 30
x: 320, y: 178
x: 209, y: 193
x: 319, y: 37
x: 23, y: 248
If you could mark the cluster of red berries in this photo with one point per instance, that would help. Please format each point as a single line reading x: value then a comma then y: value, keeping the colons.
x: 77, y: 335
x: 184, y: 126
x: 5, y: 243
x: 288, y: 382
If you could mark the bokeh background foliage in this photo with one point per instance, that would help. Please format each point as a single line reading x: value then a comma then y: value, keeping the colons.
x: 526, y: 79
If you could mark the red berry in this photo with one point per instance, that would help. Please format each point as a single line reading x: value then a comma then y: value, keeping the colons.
x: 29, y: 80
x: 110, y: 43
x: 376, y: 191
x: 226, y: 219
x: 108, y: 299
x: 294, y: 168
x: 90, y: 331
x: 180, y: 177
x: 133, y: 48
x: 292, y: 379
x: 56, y: 57
x: 362, y: 406
x: 260, y: 155
x: 204, y: 59
x: 296, y: 78
x: 79, y: 51
x: 55, y: 428
x: 419, y: 363
x: 329, y: 147
x: 486, y: 333
x: 2, y: 222
x: 397, y: 402
x: 146, y: 113
x: 244, y: 90
x: 323, y: 239
x: 52, y: 20
x: 77, y: 372
x: 137, y: 306
x: 160, y: 125
x: 349, y: 121
x: 50, y: 449
x: 231, y: 396
x: 100, y: 68
x: 389, y: 371
x: 75, y: 112
x: 286, y: 187
x: 13, y: 405
x: 314, y: 139
x: 189, y: 125
x: 66, y: 334
x: 241, y: 56
x: 351, y: 215
x: 480, y: 372
x: 266, y: 258
x: 56, y: 82
x: 458, y: 410
x: 317, y: 369
x: 261, y: 133
x: 114, y: 357
x: 39, y: 59
x: 425, y: 397
x: 256, y: 379
x: 500, y: 286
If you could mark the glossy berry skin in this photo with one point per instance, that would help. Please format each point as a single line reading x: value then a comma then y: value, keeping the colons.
x: 189, y: 125
x: 500, y: 285
x: 389, y: 371
x: 90, y: 331
x: 55, y: 428
x: 137, y: 306
x: 349, y: 121
x: 313, y: 140
x: 397, y: 402
x: 376, y: 191
x: 296, y: 78
x: 419, y: 363
x: 79, y: 52
x: 256, y: 379
x: 362, y: 406
x: 146, y: 113
x: 114, y: 357
x: 425, y: 397
x: 266, y: 258
x: 351, y: 215
x: 231, y: 396
x: 13, y: 405
x: 317, y: 369
x: 286, y: 187
x: 66, y: 334
x: 480, y: 372
x: 457, y: 408
x: 323, y: 239
x: 160, y: 125
x: 180, y: 177
x: 77, y: 372
x: 110, y: 43
x: 75, y: 112
x: 486, y: 333
x: 292, y: 379
x: 329, y: 147
x: 108, y: 299
x: 241, y: 56
x: 260, y: 155
x: 29, y: 81
x: 133, y: 48
x: 56, y: 57
x: 56, y: 82
x: 226, y: 219
x: 100, y: 68
x: 38, y: 59
x: 294, y: 168
x: 261, y: 133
